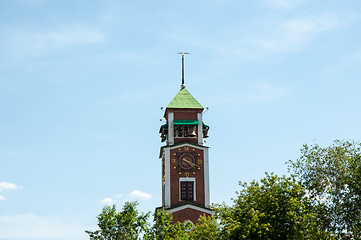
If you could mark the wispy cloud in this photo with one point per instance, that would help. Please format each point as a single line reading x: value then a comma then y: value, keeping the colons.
x: 274, y: 36
x: 26, y: 226
x: 282, y: 37
x: 283, y: 4
x: 266, y: 92
x: 140, y: 194
x: 254, y: 93
x: 342, y: 64
x: 301, y: 29
x: 66, y: 36
x: 2, y: 197
x: 24, y: 44
x: 33, y: 2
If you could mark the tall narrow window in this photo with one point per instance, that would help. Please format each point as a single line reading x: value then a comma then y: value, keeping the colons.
x: 186, y: 190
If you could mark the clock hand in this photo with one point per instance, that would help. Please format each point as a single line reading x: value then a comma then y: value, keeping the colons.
x: 190, y: 163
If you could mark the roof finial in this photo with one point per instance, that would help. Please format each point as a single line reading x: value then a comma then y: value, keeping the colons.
x: 183, y: 53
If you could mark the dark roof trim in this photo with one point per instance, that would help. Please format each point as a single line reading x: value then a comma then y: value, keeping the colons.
x: 177, y: 144
x: 185, y: 203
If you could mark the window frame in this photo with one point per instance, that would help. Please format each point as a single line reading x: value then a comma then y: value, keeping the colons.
x: 194, y: 188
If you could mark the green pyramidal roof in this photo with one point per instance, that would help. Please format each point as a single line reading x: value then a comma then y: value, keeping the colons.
x: 184, y: 99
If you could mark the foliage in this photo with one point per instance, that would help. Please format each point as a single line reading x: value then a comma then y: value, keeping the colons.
x: 206, y: 229
x: 127, y: 224
x: 164, y: 229
x: 275, y: 208
x: 325, y: 204
x: 332, y: 176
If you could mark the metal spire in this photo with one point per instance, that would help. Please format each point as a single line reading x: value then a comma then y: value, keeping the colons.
x: 183, y: 53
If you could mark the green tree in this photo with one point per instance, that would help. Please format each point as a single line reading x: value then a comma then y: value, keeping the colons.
x: 274, y: 208
x: 127, y: 224
x: 332, y: 176
x: 206, y: 229
x: 163, y: 229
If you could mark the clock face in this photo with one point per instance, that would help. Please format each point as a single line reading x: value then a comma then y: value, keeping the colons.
x: 187, y: 161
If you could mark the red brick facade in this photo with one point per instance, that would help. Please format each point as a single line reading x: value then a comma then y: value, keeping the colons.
x: 176, y: 173
x: 185, y: 161
x: 188, y: 214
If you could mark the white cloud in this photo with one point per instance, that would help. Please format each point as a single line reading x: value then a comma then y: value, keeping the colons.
x: 107, y: 201
x: 7, y: 186
x: 140, y: 194
x: 119, y: 195
x: 26, y: 226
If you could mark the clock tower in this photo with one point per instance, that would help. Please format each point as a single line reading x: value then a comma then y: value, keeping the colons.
x: 185, y: 162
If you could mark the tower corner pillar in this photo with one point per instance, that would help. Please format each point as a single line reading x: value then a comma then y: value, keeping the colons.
x: 200, y: 128
x: 171, y: 128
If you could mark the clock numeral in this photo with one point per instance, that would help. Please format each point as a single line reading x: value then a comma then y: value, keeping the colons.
x: 199, y: 161
x: 174, y: 160
x: 186, y: 148
x: 186, y: 174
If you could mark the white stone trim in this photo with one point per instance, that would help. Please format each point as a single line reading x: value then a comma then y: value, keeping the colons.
x: 188, y: 145
x: 188, y: 179
x: 163, y: 193
x: 185, y: 206
x: 200, y: 129
x: 171, y: 128
x: 167, y: 177
x: 206, y: 178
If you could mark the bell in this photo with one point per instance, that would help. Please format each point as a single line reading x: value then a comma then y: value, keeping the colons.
x: 193, y: 134
x: 163, y: 138
x: 181, y: 132
x: 205, y: 134
x: 192, y: 131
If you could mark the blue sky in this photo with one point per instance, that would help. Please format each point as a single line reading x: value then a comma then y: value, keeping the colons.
x: 82, y: 83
